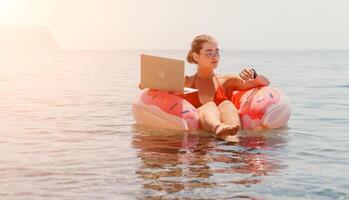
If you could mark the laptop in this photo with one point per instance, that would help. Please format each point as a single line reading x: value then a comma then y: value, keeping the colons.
x: 163, y: 74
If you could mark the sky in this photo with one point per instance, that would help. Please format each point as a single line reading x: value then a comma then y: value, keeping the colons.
x: 172, y: 24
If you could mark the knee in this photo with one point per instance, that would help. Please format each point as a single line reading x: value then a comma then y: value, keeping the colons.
x: 209, y: 104
x: 226, y: 103
x: 207, y: 107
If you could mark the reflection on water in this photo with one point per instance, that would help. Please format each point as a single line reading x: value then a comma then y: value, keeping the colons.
x: 182, y: 162
x: 67, y: 132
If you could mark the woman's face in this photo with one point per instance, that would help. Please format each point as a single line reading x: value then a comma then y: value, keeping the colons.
x: 209, y: 55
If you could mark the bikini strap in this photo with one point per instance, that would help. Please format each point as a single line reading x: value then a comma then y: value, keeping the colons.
x: 193, y: 84
x: 219, y: 85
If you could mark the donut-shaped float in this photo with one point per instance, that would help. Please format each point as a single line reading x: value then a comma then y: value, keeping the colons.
x: 259, y: 108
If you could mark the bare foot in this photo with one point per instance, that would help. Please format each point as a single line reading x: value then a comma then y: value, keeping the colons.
x: 232, y: 138
x: 225, y: 131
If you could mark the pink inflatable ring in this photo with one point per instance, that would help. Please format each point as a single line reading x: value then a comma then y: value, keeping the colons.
x: 259, y: 108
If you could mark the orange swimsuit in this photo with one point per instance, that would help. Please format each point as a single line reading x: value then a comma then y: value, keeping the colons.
x: 219, y: 95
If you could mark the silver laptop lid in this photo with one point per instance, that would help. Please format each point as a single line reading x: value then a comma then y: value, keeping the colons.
x: 162, y: 73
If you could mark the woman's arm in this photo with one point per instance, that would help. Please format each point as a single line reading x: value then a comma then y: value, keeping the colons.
x: 246, y: 80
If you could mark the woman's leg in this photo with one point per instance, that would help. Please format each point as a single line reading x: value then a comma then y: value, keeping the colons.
x: 209, y: 116
x: 210, y: 120
x: 229, y: 113
x: 230, y: 116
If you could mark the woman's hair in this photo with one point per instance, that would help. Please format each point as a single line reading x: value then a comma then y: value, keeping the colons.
x: 196, y: 46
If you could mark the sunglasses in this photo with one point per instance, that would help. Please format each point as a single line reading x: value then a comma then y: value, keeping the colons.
x: 212, y: 54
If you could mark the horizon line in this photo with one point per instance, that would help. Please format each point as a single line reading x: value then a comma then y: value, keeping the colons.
x: 175, y: 49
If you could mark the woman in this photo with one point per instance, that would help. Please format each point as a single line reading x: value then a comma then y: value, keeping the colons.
x: 217, y: 114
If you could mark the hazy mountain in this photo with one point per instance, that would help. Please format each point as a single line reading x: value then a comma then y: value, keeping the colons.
x: 24, y: 38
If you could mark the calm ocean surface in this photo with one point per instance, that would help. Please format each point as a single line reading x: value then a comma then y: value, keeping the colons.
x: 67, y: 132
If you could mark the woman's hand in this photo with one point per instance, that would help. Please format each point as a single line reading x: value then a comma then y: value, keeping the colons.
x: 140, y: 86
x: 248, y: 74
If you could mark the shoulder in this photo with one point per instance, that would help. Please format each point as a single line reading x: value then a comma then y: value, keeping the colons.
x: 228, y: 79
x: 226, y: 76
x: 188, y: 80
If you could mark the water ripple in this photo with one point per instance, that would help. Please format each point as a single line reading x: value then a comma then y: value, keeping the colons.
x: 67, y: 132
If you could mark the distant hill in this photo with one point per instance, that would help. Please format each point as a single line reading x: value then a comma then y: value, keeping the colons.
x: 26, y: 38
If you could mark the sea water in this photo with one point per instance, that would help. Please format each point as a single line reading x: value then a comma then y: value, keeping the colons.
x: 67, y: 131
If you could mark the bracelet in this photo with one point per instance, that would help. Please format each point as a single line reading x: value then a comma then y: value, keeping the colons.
x: 254, y: 73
